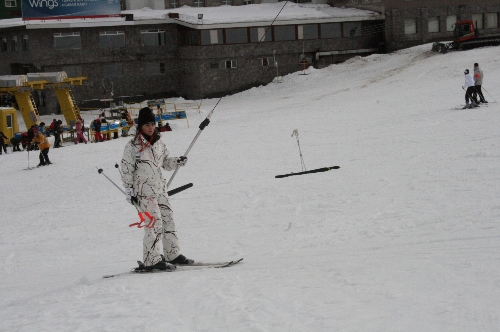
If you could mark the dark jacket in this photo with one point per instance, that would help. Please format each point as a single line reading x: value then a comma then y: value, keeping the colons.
x: 2, y: 137
x: 97, y: 125
x: 57, y: 128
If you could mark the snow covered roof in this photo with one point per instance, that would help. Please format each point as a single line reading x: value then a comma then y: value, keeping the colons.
x: 215, y: 17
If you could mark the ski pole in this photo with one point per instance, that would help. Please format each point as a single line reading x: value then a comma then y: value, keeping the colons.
x: 489, y: 94
x: 296, y: 134
x: 140, y: 212
x: 119, y: 170
x: 170, y: 192
x: 202, y: 126
x: 469, y: 95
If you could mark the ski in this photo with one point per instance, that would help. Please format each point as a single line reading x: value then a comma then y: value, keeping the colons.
x: 190, y: 267
x: 462, y: 107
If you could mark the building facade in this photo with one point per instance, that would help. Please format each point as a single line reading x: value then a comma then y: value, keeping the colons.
x: 136, y: 60
x: 414, y: 22
x: 10, y: 9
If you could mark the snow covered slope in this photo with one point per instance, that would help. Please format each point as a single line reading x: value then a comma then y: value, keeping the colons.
x: 403, y: 237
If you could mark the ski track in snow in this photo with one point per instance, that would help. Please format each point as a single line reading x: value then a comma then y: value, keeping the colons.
x: 403, y: 237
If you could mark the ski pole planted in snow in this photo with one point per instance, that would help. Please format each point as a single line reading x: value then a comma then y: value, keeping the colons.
x: 296, y: 134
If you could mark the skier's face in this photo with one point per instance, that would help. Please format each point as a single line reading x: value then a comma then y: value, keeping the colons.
x: 148, y: 128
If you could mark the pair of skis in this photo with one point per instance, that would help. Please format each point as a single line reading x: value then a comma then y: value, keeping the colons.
x: 189, y: 267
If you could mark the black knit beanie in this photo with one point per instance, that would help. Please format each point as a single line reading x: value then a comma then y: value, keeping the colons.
x: 146, y: 115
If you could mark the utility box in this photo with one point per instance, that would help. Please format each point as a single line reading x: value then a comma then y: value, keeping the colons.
x: 8, y: 121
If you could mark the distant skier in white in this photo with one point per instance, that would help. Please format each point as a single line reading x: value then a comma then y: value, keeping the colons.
x: 470, y: 90
x: 144, y: 183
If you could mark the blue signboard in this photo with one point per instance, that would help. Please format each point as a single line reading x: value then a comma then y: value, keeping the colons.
x: 63, y: 9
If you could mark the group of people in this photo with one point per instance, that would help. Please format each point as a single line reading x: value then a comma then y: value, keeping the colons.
x: 473, y: 88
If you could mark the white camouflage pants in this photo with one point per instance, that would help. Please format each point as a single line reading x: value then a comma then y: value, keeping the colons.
x: 162, y: 235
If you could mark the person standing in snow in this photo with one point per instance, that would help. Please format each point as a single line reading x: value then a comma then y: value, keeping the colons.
x: 469, y: 90
x: 79, y: 132
x: 97, y: 128
x: 2, y: 142
x: 141, y: 164
x: 31, y: 135
x: 44, y: 145
x: 478, y: 81
x: 57, y: 133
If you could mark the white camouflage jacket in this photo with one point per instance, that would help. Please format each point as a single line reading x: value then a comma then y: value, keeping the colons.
x: 141, y: 164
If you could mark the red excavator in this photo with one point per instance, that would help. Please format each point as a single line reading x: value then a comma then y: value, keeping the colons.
x: 466, y: 36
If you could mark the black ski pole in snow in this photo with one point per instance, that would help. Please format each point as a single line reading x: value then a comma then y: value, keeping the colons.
x: 318, y: 170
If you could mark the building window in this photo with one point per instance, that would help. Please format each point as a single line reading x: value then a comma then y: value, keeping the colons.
x: 174, y: 4
x: 260, y: 34
x: 284, y: 32
x: 73, y: 71
x: 13, y: 44
x: 228, y: 64
x: 433, y: 24
x: 450, y: 22
x: 111, y: 39
x: 199, y: 3
x: 114, y: 69
x: 227, y: 2
x: 330, y: 30
x: 491, y: 20
x: 247, y: 2
x: 155, y: 37
x: 155, y: 68
x: 266, y: 62
x: 211, y: 37
x: 3, y: 46
x: 352, y: 29
x: 478, y: 21
x: 67, y: 41
x: 24, y: 43
x: 236, y: 36
x: 191, y: 37
x: 10, y: 3
x: 308, y: 31
x: 410, y: 26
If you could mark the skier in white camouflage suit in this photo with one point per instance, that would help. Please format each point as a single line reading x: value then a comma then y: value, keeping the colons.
x: 143, y: 180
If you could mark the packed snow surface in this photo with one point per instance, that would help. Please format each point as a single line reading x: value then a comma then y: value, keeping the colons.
x: 405, y: 236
